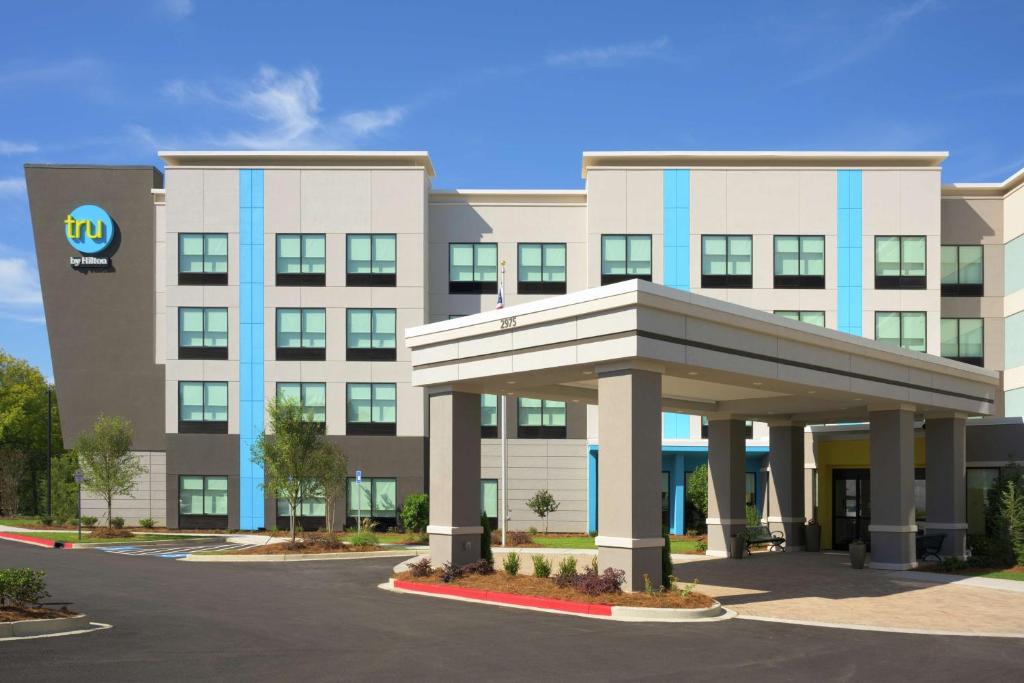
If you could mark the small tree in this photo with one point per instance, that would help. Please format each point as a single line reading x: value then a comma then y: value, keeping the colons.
x: 543, y: 504
x: 106, y: 459
x: 416, y: 512
x: 331, y: 473
x: 1011, y: 509
x: 292, y: 456
x: 12, y: 466
x: 485, y: 539
x: 697, y: 491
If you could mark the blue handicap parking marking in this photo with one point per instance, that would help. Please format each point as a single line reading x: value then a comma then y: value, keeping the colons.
x: 120, y: 548
x: 174, y: 555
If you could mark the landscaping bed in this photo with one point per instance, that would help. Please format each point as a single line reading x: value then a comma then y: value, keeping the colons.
x: 301, y: 548
x: 11, y: 613
x: 688, y: 544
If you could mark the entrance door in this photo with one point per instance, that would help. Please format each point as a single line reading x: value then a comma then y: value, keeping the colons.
x: 665, y: 500
x: 851, y: 507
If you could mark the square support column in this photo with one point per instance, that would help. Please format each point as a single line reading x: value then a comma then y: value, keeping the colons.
x: 454, y: 478
x: 946, y: 473
x: 786, y: 483
x: 629, y: 475
x: 726, y: 483
x: 892, y: 490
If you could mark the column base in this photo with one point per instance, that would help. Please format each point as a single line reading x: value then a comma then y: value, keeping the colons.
x: 892, y: 549
x: 457, y: 545
x: 720, y: 532
x: 635, y: 561
x: 889, y: 566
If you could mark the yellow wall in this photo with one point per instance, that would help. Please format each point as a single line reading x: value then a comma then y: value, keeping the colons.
x: 845, y: 454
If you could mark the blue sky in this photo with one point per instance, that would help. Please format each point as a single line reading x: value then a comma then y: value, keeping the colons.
x: 500, y: 97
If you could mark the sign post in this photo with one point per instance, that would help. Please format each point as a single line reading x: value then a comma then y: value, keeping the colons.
x: 359, y: 501
x: 79, y: 478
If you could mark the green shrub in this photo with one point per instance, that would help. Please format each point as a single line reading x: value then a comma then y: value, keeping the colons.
x: 22, y: 586
x: 511, y: 564
x: 416, y: 512
x: 421, y: 568
x: 117, y: 522
x: 566, y: 571
x: 541, y: 567
x: 485, y: 539
x: 147, y: 523
x: 364, y: 537
x: 518, y: 538
x: 1011, y: 505
x: 543, y: 504
x: 667, y: 577
x: 89, y: 521
x: 753, y: 516
x: 697, y: 495
x: 46, y: 520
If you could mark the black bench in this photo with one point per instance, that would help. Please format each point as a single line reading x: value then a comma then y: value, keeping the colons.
x: 762, y: 535
x: 929, y: 545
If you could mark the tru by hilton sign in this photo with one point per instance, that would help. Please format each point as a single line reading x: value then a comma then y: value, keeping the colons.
x: 90, y: 231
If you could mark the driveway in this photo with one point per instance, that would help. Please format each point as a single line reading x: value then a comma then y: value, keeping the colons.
x: 321, y: 621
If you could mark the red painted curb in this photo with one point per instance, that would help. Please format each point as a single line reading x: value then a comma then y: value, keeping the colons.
x: 45, y: 543
x: 507, y: 598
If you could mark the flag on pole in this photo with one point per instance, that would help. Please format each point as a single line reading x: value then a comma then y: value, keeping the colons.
x: 501, y: 288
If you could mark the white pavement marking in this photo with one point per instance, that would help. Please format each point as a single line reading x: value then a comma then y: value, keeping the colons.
x: 883, y: 629
x: 99, y: 627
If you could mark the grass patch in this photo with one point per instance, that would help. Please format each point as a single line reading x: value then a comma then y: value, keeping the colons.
x: 72, y: 537
x: 20, y: 521
x: 680, y: 544
x: 1011, y: 574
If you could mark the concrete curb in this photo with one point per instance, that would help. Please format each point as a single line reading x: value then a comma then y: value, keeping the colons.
x: 38, y: 627
x: 298, y: 557
x: 555, y: 606
x: 31, y: 540
x: 962, y: 580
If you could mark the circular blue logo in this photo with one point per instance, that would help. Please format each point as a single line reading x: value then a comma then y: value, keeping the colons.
x: 89, y: 229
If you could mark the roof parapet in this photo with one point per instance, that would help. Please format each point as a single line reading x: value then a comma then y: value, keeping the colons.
x: 236, y: 158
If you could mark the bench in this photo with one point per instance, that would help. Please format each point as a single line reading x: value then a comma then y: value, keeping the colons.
x: 762, y: 535
x: 929, y: 545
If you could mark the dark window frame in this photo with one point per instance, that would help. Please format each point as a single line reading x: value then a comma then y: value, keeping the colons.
x: 301, y: 352
x: 963, y: 288
x: 490, y: 431
x: 542, y: 286
x: 710, y: 281
x: 204, y: 513
x: 371, y: 428
x: 800, y: 313
x: 350, y: 518
x: 541, y: 431
x: 978, y: 361
x: 796, y: 281
x: 203, y: 352
x: 901, y: 314
x: 203, y: 426
x: 610, y: 278
x: 302, y: 400
x: 204, y: 278
x: 748, y: 428
x: 372, y: 353
x: 473, y: 286
x: 299, y: 279
x: 370, y: 279
x: 901, y: 281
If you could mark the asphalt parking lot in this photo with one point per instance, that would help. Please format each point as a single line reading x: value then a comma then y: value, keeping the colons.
x: 325, y: 621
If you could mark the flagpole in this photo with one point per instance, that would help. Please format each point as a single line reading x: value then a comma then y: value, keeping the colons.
x: 504, y: 432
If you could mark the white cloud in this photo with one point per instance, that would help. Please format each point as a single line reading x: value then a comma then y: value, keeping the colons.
x: 19, y: 282
x: 179, y: 9
x: 11, y: 186
x: 608, y: 55
x: 10, y: 147
x: 285, y: 111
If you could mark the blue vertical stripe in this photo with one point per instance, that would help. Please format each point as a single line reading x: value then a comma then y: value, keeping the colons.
x: 592, y: 489
x: 250, y: 345
x: 676, y: 264
x: 849, y: 256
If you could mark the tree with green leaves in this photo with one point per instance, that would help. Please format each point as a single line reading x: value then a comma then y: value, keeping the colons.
x: 293, y: 454
x: 697, y: 492
x: 106, y: 459
x: 543, y: 504
x: 331, y: 475
x: 1011, y: 509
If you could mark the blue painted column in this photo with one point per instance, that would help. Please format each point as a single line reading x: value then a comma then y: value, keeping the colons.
x: 676, y: 226
x: 850, y: 268
x: 678, y: 501
x: 250, y: 347
x: 592, y: 489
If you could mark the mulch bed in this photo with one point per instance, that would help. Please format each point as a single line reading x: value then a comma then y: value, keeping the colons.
x: 937, y: 568
x: 500, y: 582
x: 304, y: 549
x: 10, y: 613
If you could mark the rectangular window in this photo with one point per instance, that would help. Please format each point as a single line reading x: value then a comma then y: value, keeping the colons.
x: 906, y: 329
x: 202, y: 333
x: 541, y: 268
x: 963, y: 339
x: 472, y: 268
x: 312, y: 396
x: 203, y: 407
x: 920, y: 495
x: 370, y: 260
x: 750, y: 488
x: 809, y: 317
x: 489, y: 500
x: 370, y: 334
x: 625, y: 257
x: 370, y: 409
x: 900, y: 262
x: 202, y: 258
x: 374, y: 498
x: 301, y: 260
x: 202, y: 496
x: 799, y: 262
x: 963, y: 270
x: 301, y: 334
x: 488, y: 416
x: 748, y: 428
x: 541, y: 419
x: 726, y: 261
x: 980, y: 482
x: 311, y: 505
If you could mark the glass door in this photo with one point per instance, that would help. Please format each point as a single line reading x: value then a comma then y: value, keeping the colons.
x: 851, y: 507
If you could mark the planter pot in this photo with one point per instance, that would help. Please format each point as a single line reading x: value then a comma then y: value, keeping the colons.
x: 737, y: 547
x: 812, y: 538
x: 858, y: 554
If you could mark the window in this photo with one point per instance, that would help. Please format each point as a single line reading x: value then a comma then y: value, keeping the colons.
x: 541, y: 268
x: 625, y: 257
x: 726, y: 261
x: 370, y: 409
x: 301, y: 334
x: 489, y: 500
x: 202, y: 258
x: 309, y: 506
x: 748, y: 428
x: 963, y: 339
x: 488, y: 416
x: 312, y: 396
x: 906, y: 329
x: 472, y: 268
x: 199, y: 495
x: 202, y: 333
x: 900, y: 262
x: 799, y: 262
x: 809, y: 317
x: 963, y: 270
x: 374, y: 498
x: 541, y: 419
x: 203, y: 407
x: 301, y: 260
x: 370, y: 261
x: 980, y: 482
x: 370, y: 334
x: 920, y: 495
